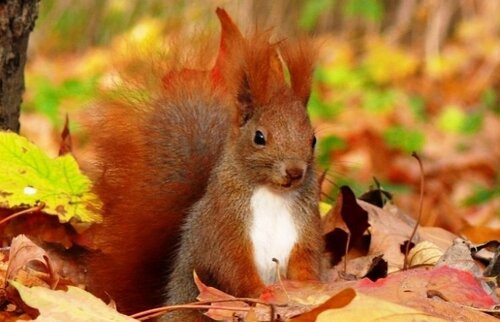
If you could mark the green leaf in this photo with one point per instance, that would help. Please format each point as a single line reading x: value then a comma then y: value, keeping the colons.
x: 482, y: 195
x: 453, y: 119
x: 28, y: 176
x: 490, y: 99
x: 404, y: 139
x: 312, y: 11
x: 379, y: 101
x: 326, y: 146
x: 371, y: 10
x: 319, y: 109
x: 417, y: 106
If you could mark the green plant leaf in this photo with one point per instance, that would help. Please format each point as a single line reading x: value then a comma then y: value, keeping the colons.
x: 379, y: 101
x: 490, y: 99
x: 326, y: 146
x: 454, y: 120
x: 482, y: 195
x: 312, y: 11
x: 407, y: 140
x: 28, y: 176
x: 372, y: 10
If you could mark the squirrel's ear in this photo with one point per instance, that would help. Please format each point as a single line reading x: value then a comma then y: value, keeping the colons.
x: 231, y: 44
x: 245, y: 101
x: 300, y: 57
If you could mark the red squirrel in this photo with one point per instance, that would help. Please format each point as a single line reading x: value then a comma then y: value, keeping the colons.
x: 213, y: 172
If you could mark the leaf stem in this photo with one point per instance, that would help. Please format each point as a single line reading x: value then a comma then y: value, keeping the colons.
x: 36, y: 208
x: 202, y: 305
x: 421, y: 202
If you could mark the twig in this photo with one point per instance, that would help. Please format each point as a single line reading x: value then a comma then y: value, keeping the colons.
x: 346, y: 251
x: 53, y: 276
x: 203, y: 305
x: 280, y: 282
x: 36, y: 208
x: 159, y: 311
x: 421, y: 202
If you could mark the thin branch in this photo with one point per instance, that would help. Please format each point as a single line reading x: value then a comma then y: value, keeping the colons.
x: 346, y: 251
x: 38, y: 207
x: 203, y: 305
x: 159, y: 311
x: 421, y: 202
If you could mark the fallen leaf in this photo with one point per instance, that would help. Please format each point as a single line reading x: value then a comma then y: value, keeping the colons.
x: 424, y: 253
x: 459, y: 256
x: 362, y: 267
x: 364, y: 308
x: 414, y: 288
x: 208, y: 293
x: 443, y: 239
x: 22, y: 252
x: 28, y: 176
x: 340, y: 299
x: 74, y: 305
x: 388, y: 232
x: 355, y: 217
x: 301, y: 296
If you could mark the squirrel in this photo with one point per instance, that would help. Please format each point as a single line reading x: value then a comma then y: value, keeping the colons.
x: 212, y: 172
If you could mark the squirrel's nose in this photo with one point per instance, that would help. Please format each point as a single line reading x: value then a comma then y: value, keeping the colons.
x: 295, y: 173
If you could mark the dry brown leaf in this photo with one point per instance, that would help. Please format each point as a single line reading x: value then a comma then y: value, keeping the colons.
x: 22, y: 252
x: 443, y: 239
x: 388, y: 232
x: 208, y: 293
x: 459, y: 256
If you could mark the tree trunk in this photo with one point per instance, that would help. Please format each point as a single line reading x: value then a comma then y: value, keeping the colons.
x: 17, y: 19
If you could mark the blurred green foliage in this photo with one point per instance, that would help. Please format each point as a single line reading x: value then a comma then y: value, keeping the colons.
x: 371, y: 10
x: 374, y: 66
x: 455, y: 119
x: 482, y: 195
x: 48, y: 97
x: 327, y: 145
x: 312, y: 11
x: 407, y: 140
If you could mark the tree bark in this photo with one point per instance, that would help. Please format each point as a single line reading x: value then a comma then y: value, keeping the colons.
x: 17, y: 19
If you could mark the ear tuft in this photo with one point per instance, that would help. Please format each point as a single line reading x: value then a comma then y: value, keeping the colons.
x: 300, y: 57
x: 231, y: 45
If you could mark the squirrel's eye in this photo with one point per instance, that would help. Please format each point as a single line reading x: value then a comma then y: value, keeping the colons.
x: 259, y: 138
x: 314, y: 141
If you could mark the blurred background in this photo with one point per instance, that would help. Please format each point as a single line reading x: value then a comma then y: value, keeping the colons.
x: 394, y: 76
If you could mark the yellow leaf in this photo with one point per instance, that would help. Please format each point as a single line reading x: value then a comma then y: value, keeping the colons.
x: 386, y: 63
x: 324, y: 208
x: 364, y: 308
x: 75, y: 305
x: 424, y: 253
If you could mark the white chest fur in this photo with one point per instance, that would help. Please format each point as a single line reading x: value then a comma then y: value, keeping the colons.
x: 273, y: 232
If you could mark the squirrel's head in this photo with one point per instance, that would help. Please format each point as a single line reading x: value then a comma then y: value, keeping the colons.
x: 273, y: 137
x: 276, y: 144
